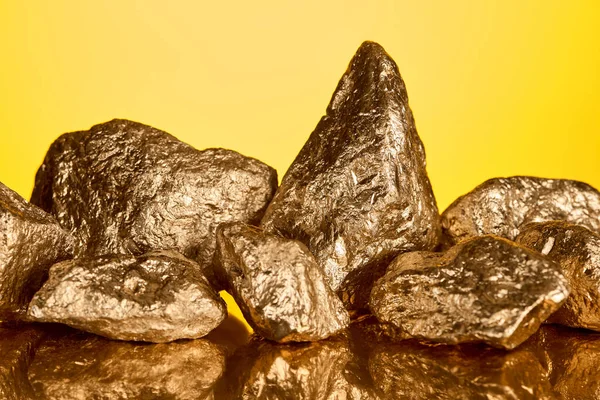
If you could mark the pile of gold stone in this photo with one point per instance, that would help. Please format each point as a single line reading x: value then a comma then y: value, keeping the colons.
x: 354, y: 285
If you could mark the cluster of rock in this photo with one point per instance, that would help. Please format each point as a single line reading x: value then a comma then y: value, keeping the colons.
x: 130, y: 234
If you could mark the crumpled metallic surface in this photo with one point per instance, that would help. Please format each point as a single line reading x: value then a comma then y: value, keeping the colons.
x: 486, y: 289
x: 157, y: 297
x: 577, y: 250
x: 17, y: 347
x: 368, y: 331
x: 310, y: 371
x: 80, y: 366
x: 358, y: 193
x: 571, y: 358
x: 501, y: 206
x: 278, y: 284
x: 30, y: 242
x: 410, y: 370
x: 127, y: 188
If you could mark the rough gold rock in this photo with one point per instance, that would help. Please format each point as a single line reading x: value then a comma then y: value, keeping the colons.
x: 30, y: 242
x: 501, y: 206
x: 81, y: 367
x: 17, y: 347
x: 577, y: 250
x: 486, y: 289
x: 412, y: 371
x: 127, y: 188
x: 368, y: 331
x: 157, y: 297
x: 278, y: 285
x: 358, y: 193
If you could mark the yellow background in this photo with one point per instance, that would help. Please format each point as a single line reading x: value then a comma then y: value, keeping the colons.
x: 498, y: 88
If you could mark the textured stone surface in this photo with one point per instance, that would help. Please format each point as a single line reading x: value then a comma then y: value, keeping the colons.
x: 368, y: 331
x: 278, y: 285
x: 17, y: 347
x: 486, y: 289
x: 126, y: 188
x: 156, y: 297
x: 500, y: 206
x: 310, y: 371
x: 81, y: 366
x: 409, y: 370
x: 571, y: 358
x: 358, y: 193
x: 30, y: 242
x: 577, y: 250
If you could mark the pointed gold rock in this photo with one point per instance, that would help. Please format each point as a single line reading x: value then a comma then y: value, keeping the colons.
x: 358, y: 193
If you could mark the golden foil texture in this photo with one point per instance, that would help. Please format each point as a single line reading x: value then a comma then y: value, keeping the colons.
x: 412, y: 371
x: 17, y: 348
x: 30, y: 242
x: 577, y: 250
x: 368, y: 331
x: 127, y: 188
x: 486, y: 289
x: 156, y: 297
x: 358, y: 193
x: 81, y: 367
x: 501, y: 206
x: 278, y: 284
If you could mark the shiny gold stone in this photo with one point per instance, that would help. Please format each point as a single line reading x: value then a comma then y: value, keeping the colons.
x: 157, y: 297
x: 127, y: 188
x: 486, y: 289
x: 31, y: 241
x: 358, y: 193
x: 278, y: 284
x: 501, y: 206
x: 577, y: 250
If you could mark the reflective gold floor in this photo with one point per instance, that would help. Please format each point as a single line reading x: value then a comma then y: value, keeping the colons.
x: 53, y: 362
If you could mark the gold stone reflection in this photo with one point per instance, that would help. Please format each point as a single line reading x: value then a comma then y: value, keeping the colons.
x: 82, y: 366
x: 410, y: 370
x: 368, y: 361
x: 17, y: 347
x: 312, y: 371
x: 571, y: 358
x: 231, y: 334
